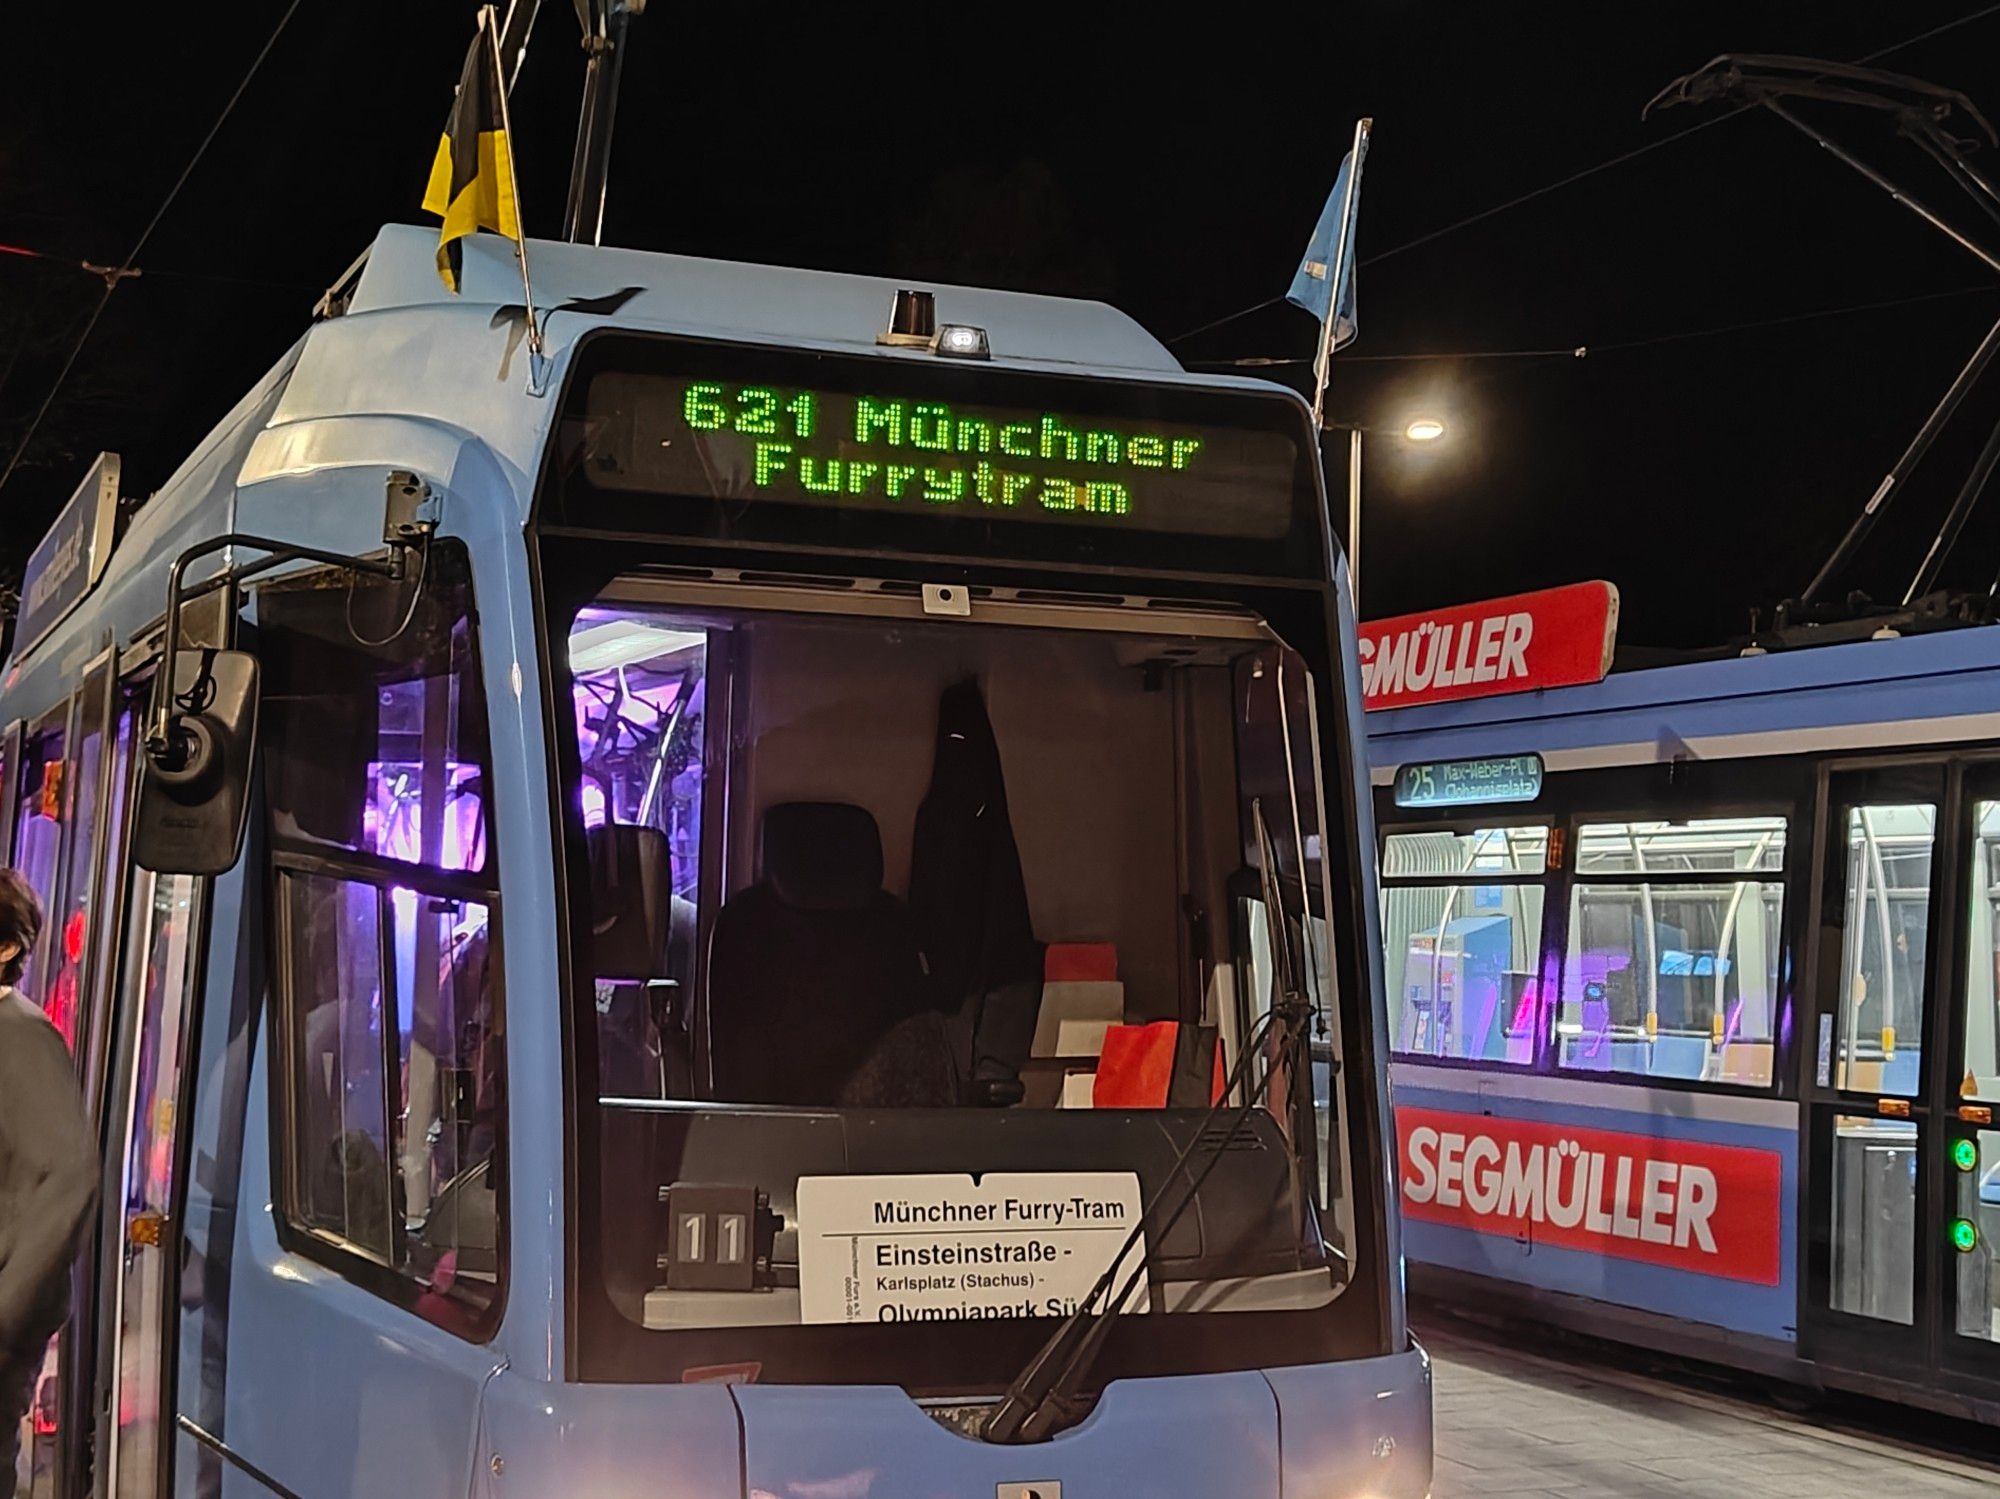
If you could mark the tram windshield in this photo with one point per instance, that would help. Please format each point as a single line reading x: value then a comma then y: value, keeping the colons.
x: 937, y: 906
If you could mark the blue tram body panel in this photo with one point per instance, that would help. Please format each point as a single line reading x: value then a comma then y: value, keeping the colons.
x: 1920, y: 689
x: 1657, y: 1123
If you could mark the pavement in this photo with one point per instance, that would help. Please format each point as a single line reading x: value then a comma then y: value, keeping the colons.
x: 1518, y: 1423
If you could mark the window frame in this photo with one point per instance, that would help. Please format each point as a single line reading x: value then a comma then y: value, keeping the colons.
x: 1982, y: 883
x: 601, y: 1344
x: 350, y: 1260
x: 298, y: 857
x: 1677, y: 791
x: 10, y: 762
x: 1546, y: 879
x: 720, y: 650
x: 1785, y: 876
x: 94, y: 1018
x: 1934, y: 973
x: 59, y: 718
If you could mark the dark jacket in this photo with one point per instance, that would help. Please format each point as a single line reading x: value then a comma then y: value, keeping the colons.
x: 48, y: 1174
x: 968, y: 896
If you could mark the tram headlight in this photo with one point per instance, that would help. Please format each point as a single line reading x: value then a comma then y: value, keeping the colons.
x: 963, y: 341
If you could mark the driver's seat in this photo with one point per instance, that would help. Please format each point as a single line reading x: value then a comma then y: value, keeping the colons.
x: 810, y: 966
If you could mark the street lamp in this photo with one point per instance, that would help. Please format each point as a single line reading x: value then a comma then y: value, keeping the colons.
x: 1423, y: 430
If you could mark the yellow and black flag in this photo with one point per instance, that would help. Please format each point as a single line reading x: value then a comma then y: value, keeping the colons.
x: 472, y: 180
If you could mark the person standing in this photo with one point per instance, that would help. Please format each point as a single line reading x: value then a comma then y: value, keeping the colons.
x: 48, y: 1172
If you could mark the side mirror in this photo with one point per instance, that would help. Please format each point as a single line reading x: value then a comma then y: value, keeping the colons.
x: 631, y: 902
x: 194, y: 797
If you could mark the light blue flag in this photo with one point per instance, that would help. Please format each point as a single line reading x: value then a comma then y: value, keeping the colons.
x: 1313, y: 286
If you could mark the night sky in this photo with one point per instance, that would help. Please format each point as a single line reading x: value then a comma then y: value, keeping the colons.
x: 1115, y: 152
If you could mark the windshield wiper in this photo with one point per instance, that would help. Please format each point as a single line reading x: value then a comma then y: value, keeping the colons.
x: 1043, y: 1399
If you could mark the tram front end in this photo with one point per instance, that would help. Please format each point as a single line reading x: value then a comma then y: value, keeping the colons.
x: 816, y: 897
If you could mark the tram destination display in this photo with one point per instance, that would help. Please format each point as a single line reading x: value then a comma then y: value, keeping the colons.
x: 1469, y: 783
x: 1157, y: 460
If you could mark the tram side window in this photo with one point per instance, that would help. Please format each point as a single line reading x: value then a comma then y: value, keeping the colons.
x: 1982, y: 996
x: 68, y: 990
x: 1976, y: 1153
x: 1674, y: 938
x: 393, y: 1014
x: 641, y: 702
x: 38, y: 829
x: 1461, y: 942
x: 1884, y: 941
x: 397, y: 1080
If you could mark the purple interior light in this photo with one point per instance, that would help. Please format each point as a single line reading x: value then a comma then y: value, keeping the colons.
x: 593, y: 805
x: 392, y: 824
x: 624, y: 712
x: 1521, y: 1027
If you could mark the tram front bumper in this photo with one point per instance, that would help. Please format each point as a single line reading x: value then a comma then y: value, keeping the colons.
x: 1359, y: 1429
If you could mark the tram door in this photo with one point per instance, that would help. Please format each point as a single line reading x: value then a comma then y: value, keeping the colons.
x: 1903, y: 1179
x: 157, y: 973
x: 1969, y: 1096
x: 150, y: 976
x: 64, y: 800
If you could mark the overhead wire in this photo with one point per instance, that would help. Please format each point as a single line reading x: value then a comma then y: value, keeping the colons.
x: 1668, y: 140
x: 1528, y: 197
x: 1587, y: 172
x: 1230, y: 317
x: 114, y: 277
x: 92, y: 268
x: 1582, y: 351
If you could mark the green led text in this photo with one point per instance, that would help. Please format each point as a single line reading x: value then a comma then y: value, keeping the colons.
x: 931, y: 453
x: 755, y: 410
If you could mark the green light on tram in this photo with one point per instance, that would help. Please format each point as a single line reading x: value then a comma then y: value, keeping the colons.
x: 1964, y: 1237
x: 1964, y: 1154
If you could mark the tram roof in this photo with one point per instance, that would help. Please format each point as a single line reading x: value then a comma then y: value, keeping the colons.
x: 749, y: 303
x: 411, y: 375
x: 1940, y: 687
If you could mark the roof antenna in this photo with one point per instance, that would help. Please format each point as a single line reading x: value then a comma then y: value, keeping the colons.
x: 604, y: 24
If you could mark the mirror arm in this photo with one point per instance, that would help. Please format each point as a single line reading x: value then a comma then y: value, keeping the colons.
x: 160, y: 735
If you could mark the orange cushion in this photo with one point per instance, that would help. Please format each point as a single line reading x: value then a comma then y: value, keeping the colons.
x: 1081, y: 962
x: 1136, y: 1068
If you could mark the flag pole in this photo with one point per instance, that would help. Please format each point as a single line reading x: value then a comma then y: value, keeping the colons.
x: 489, y: 23
x: 1322, y: 363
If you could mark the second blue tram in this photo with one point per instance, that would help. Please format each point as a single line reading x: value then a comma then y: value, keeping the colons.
x: 1696, y: 1044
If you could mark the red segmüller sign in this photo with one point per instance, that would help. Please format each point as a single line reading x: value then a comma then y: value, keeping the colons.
x: 1712, y: 1209
x: 1558, y: 637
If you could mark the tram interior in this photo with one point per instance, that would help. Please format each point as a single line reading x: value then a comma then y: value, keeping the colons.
x: 987, y: 876
x: 1671, y: 967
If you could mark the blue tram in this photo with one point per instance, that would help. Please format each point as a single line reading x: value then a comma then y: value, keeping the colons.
x: 728, y: 899
x: 1695, y: 1034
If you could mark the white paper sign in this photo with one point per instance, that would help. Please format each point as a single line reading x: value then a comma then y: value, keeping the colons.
x: 939, y: 1248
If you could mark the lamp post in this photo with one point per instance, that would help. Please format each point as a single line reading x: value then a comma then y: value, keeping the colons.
x: 1421, y: 430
